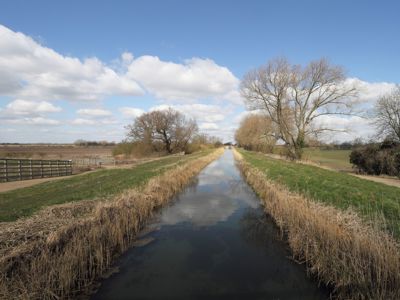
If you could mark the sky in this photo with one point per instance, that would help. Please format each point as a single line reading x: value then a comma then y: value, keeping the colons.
x: 85, y: 69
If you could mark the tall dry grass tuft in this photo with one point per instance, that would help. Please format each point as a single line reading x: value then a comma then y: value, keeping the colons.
x: 357, y: 259
x: 66, y: 262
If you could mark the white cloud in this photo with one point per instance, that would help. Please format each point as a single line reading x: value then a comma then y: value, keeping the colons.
x: 32, y: 71
x: 127, y: 57
x: 33, y: 121
x: 25, y: 107
x: 201, y: 112
x: 131, y: 112
x: 94, y: 112
x: 194, y: 79
x: 208, y: 126
x: 348, y: 127
x: 82, y: 121
x: 369, y: 92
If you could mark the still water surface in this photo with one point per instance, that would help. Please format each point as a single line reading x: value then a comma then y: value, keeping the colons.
x: 213, y: 242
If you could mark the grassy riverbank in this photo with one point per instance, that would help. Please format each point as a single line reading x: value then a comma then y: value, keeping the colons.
x: 354, y: 257
x: 95, y: 185
x: 46, y: 256
x: 371, y: 200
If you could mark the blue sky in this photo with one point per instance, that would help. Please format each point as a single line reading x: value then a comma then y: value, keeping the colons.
x: 209, y: 45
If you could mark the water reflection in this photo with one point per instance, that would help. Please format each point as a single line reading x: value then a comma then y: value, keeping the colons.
x: 215, y: 242
x: 200, y: 211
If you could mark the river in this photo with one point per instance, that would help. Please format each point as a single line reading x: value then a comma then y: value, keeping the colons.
x: 213, y: 241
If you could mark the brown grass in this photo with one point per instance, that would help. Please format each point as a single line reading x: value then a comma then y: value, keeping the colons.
x: 54, y: 151
x: 357, y: 259
x: 71, y: 245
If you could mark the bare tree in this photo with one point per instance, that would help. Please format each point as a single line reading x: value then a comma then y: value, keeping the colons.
x: 387, y: 115
x: 294, y: 96
x: 256, y: 133
x: 168, y: 127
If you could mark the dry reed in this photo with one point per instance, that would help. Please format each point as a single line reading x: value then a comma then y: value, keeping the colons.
x: 65, y: 262
x: 358, y: 260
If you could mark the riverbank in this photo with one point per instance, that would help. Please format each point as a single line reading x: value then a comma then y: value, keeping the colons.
x: 95, y: 185
x: 357, y: 258
x: 83, y: 238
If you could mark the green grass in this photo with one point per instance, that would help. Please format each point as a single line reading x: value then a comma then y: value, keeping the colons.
x: 335, y: 159
x: 100, y: 184
x: 338, y: 189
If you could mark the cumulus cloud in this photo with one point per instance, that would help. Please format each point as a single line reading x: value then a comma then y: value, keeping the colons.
x: 25, y: 107
x: 94, y: 112
x: 131, y: 112
x: 32, y: 71
x: 33, y: 121
x: 348, y: 127
x: 85, y: 121
x: 194, y: 79
x: 201, y: 112
x: 369, y: 92
x: 82, y: 121
x: 208, y: 126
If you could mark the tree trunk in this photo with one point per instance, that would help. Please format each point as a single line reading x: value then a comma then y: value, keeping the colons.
x: 168, y: 146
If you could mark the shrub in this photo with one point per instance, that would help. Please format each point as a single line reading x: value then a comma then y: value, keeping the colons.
x: 132, y: 150
x: 377, y: 159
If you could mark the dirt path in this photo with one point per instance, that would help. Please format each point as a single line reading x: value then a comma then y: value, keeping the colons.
x: 385, y: 180
x: 13, y: 185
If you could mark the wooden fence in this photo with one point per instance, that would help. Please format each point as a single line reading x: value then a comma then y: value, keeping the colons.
x: 22, y: 169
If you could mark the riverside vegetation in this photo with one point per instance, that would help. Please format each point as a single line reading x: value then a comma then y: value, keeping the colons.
x: 344, y: 229
x: 100, y: 184
x: 61, y: 250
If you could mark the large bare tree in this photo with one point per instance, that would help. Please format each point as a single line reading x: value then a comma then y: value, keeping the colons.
x: 294, y: 96
x: 168, y: 127
x: 387, y: 115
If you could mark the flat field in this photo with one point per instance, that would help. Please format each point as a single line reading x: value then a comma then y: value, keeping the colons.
x: 335, y: 159
x: 371, y: 200
x: 54, y: 151
x: 99, y: 184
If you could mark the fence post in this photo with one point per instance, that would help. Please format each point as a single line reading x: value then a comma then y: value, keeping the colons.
x: 6, y: 169
x: 20, y: 169
x: 30, y: 169
x: 41, y: 168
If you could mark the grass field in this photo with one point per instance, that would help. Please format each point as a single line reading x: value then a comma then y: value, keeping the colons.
x: 341, y: 190
x: 335, y: 159
x: 100, y: 184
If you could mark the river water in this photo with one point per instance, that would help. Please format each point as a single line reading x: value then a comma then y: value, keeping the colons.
x: 212, y: 242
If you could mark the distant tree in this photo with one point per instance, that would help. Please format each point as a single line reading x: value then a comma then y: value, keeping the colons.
x: 169, y: 127
x: 201, y: 141
x: 294, y: 97
x: 387, y: 115
x: 256, y: 132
